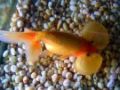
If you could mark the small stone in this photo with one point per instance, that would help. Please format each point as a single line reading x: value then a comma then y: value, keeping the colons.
x: 54, y: 77
x: 45, y: 25
x: 40, y: 88
x: 18, y: 79
x: 13, y: 68
x: 42, y: 79
x: 51, y: 88
x: 77, y: 84
x: 20, y: 64
x: 73, y: 8
x: 100, y: 85
x: 64, y: 73
x: 33, y: 75
x: 38, y: 78
x: 59, y: 24
x: 12, y: 59
x: 20, y: 23
x: 52, y: 19
x: 12, y: 51
x: 72, y: 58
x: 20, y: 51
x: 47, y: 84
x: 34, y: 82
x: 68, y: 75
x: 72, y: 2
x: 5, y: 53
x: 66, y: 83
x: 22, y: 73
x: 20, y: 86
x: 50, y: 5
x: 7, y: 68
x: 43, y: 73
x: 110, y: 84
x: 30, y: 88
x: 25, y: 79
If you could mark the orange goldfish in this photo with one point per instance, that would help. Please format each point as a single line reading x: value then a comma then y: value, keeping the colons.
x: 60, y: 43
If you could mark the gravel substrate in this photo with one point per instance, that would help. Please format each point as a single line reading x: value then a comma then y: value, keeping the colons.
x: 51, y: 73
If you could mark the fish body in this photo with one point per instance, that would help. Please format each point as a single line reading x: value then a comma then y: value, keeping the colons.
x: 61, y: 43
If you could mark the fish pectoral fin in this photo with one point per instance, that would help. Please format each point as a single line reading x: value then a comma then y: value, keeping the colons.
x: 33, y: 51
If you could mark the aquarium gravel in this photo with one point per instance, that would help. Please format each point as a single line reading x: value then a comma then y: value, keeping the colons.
x: 51, y: 73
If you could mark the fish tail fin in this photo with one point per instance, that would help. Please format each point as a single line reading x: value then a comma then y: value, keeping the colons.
x: 16, y: 37
x: 29, y: 38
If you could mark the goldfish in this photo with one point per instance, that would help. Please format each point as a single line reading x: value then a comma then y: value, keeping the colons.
x: 60, y: 43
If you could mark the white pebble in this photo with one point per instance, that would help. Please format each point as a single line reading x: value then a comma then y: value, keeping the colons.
x: 19, y: 58
x: 7, y: 68
x: 73, y: 8
x: 51, y: 88
x: 34, y: 81
x: 40, y: 88
x: 100, y: 85
x: 47, y: 84
x: 72, y: 2
x: 64, y: 73
x: 77, y: 84
x: 42, y: 79
x: 13, y: 68
x: 12, y: 51
x: 37, y: 78
x: 33, y: 75
x: 45, y: 25
x: 52, y: 19
x: 97, y: 13
x: 13, y: 77
x: 20, y: 23
x: 43, y: 73
x: 62, y: 3
x: 66, y: 83
x: 20, y: 51
x: 49, y: 5
x: 5, y: 53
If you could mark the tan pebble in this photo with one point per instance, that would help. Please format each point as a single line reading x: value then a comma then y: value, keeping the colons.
x: 65, y: 27
x: 33, y: 75
x: 54, y: 77
x: 59, y: 24
x: 29, y: 88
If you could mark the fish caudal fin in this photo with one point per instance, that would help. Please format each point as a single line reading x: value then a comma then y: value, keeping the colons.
x: 29, y: 38
x: 16, y: 37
